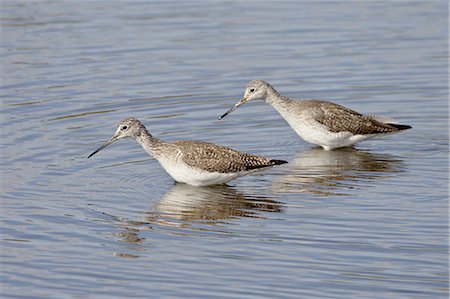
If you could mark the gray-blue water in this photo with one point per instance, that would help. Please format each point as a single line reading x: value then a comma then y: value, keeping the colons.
x: 371, y: 222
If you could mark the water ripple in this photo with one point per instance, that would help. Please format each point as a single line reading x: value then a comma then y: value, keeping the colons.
x: 370, y: 222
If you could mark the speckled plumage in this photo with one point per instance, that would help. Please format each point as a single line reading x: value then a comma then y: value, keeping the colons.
x: 338, y: 118
x: 216, y: 158
x: 193, y: 162
x: 320, y: 122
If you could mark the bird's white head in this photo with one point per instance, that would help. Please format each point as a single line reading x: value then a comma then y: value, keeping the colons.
x: 128, y: 127
x: 255, y: 90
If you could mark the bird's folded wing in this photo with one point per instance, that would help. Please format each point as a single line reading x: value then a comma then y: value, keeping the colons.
x: 341, y: 119
x: 215, y: 158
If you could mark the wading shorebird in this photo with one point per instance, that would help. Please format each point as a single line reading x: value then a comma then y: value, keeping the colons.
x: 195, y: 163
x: 320, y: 122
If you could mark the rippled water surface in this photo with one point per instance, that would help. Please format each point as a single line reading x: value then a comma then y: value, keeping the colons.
x: 369, y: 222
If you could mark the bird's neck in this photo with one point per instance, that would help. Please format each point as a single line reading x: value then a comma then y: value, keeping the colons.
x: 150, y: 143
x: 277, y: 101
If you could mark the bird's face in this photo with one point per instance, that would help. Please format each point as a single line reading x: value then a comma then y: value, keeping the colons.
x: 255, y: 90
x: 128, y: 127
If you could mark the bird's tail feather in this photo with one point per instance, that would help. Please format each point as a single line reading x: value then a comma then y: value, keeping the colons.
x: 400, y: 127
x: 277, y: 162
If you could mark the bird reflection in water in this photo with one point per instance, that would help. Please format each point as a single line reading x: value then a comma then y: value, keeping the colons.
x: 327, y: 173
x: 210, y: 205
x: 186, y: 210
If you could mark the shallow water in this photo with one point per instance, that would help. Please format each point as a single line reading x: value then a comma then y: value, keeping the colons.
x: 369, y: 222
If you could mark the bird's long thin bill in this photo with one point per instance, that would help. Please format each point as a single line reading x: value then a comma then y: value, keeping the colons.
x: 234, y: 108
x: 103, y: 146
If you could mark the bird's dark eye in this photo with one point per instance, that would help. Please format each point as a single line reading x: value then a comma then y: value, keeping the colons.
x: 252, y: 90
x: 124, y: 128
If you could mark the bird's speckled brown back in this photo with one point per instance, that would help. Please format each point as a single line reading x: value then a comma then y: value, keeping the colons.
x: 215, y: 158
x: 339, y: 118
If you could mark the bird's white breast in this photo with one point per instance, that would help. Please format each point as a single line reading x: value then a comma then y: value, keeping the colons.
x: 317, y: 133
x: 184, y: 173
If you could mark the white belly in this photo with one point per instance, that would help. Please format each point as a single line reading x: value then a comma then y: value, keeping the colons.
x: 183, y: 173
x: 316, y: 133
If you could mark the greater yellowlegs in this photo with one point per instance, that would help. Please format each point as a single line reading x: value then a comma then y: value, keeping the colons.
x: 195, y: 163
x: 320, y: 122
